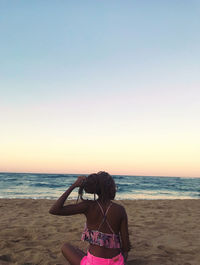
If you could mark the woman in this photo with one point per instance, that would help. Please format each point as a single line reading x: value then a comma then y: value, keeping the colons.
x: 106, y: 228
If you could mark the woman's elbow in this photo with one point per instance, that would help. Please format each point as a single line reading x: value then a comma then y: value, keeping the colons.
x: 53, y: 211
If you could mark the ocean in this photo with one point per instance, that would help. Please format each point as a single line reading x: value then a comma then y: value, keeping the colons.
x: 51, y: 186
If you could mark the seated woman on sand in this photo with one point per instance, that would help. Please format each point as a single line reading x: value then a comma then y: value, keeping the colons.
x: 106, y: 228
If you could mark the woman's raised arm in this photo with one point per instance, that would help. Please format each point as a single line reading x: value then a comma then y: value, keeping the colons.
x: 58, y: 207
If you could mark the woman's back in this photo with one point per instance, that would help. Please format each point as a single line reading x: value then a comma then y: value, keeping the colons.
x: 95, y: 216
x: 103, y: 228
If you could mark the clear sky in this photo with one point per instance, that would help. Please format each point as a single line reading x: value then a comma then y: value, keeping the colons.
x: 100, y: 85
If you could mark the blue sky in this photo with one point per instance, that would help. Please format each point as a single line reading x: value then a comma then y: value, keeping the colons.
x: 75, y: 75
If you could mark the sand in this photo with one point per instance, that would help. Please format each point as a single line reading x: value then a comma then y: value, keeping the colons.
x: 162, y: 232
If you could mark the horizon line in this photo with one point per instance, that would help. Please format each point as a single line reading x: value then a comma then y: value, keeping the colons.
x: 129, y: 175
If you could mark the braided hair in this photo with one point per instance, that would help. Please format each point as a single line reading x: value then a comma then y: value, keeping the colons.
x: 100, y: 183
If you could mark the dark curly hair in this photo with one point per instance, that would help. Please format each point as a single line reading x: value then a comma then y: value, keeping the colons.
x: 100, y: 183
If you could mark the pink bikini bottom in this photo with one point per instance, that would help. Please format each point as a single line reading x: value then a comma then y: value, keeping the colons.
x: 93, y: 260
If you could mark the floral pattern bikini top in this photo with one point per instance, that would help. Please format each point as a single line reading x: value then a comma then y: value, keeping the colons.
x: 95, y: 237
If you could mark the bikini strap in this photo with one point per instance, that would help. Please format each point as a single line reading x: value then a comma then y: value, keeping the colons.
x: 100, y: 208
x: 105, y: 217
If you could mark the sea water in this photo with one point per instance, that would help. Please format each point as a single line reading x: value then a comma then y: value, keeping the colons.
x: 51, y: 186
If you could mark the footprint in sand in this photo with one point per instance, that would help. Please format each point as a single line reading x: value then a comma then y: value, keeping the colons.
x: 5, y: 257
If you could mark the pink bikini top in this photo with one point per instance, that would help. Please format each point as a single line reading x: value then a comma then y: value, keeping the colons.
x: 95, y: 237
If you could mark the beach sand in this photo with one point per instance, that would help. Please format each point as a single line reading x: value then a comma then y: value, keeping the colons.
x: 162, y: 232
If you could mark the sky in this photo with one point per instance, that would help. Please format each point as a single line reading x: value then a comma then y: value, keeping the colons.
x: 100, y: 85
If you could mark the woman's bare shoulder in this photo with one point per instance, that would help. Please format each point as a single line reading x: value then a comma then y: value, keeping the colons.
x: 120, y: 208
x: 117, y: 204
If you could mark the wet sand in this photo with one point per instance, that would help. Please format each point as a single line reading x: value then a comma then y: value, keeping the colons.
x: 162, y: 232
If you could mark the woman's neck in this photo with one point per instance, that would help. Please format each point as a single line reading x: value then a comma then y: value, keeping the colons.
x: 101, y: 200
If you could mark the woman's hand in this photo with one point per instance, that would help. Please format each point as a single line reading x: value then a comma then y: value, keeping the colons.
x: 79, y: 181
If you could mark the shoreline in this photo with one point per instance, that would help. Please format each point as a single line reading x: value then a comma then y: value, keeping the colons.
x: 161, y: 232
